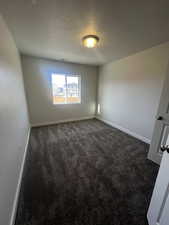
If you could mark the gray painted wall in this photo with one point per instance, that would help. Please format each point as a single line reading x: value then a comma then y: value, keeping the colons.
x: 129, y: 89
x: 37, y: 76
x: 14, y: 125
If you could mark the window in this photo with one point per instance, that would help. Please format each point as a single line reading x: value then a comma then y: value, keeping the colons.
x: 66, y: 89
x: 98, y: 109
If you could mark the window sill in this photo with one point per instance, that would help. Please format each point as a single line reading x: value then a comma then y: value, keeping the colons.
x: 77, y: 103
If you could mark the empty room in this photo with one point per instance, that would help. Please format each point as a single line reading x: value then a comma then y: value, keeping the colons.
x: 84, y: 112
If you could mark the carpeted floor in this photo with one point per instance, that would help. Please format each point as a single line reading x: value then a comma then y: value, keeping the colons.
x: 85, y: 173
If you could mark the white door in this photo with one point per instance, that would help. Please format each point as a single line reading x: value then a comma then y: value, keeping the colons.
x: 158, y: 213
x: 161, y: 130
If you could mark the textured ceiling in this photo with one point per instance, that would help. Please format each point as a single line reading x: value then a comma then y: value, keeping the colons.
x: 54, y: 28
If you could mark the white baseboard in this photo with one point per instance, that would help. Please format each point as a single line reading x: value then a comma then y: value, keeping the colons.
x: 156, y: 157
x: 61, y: 121
x: 144, y: 139
x: 15, y: 203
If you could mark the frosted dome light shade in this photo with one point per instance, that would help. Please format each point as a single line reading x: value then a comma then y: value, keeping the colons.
x: 90, y: 41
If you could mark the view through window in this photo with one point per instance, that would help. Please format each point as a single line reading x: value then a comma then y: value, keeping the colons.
x: 66, y: 89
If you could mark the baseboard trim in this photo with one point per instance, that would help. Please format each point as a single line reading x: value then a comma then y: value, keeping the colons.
x: 61, y: 121
x: 156, y: 157
x: 144, y: 139
x: 15, y: 203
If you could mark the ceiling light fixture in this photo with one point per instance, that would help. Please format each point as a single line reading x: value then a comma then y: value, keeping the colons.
x: 90, y: 41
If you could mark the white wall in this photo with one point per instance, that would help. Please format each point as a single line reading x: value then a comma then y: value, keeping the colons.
x: 37, y: 76
x: 14, y: 125
x: 129, y: 90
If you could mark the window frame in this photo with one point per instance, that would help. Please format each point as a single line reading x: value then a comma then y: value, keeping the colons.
x: 79, y: 86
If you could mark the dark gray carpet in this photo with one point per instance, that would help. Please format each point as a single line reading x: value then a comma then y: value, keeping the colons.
x: 85, y: 173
